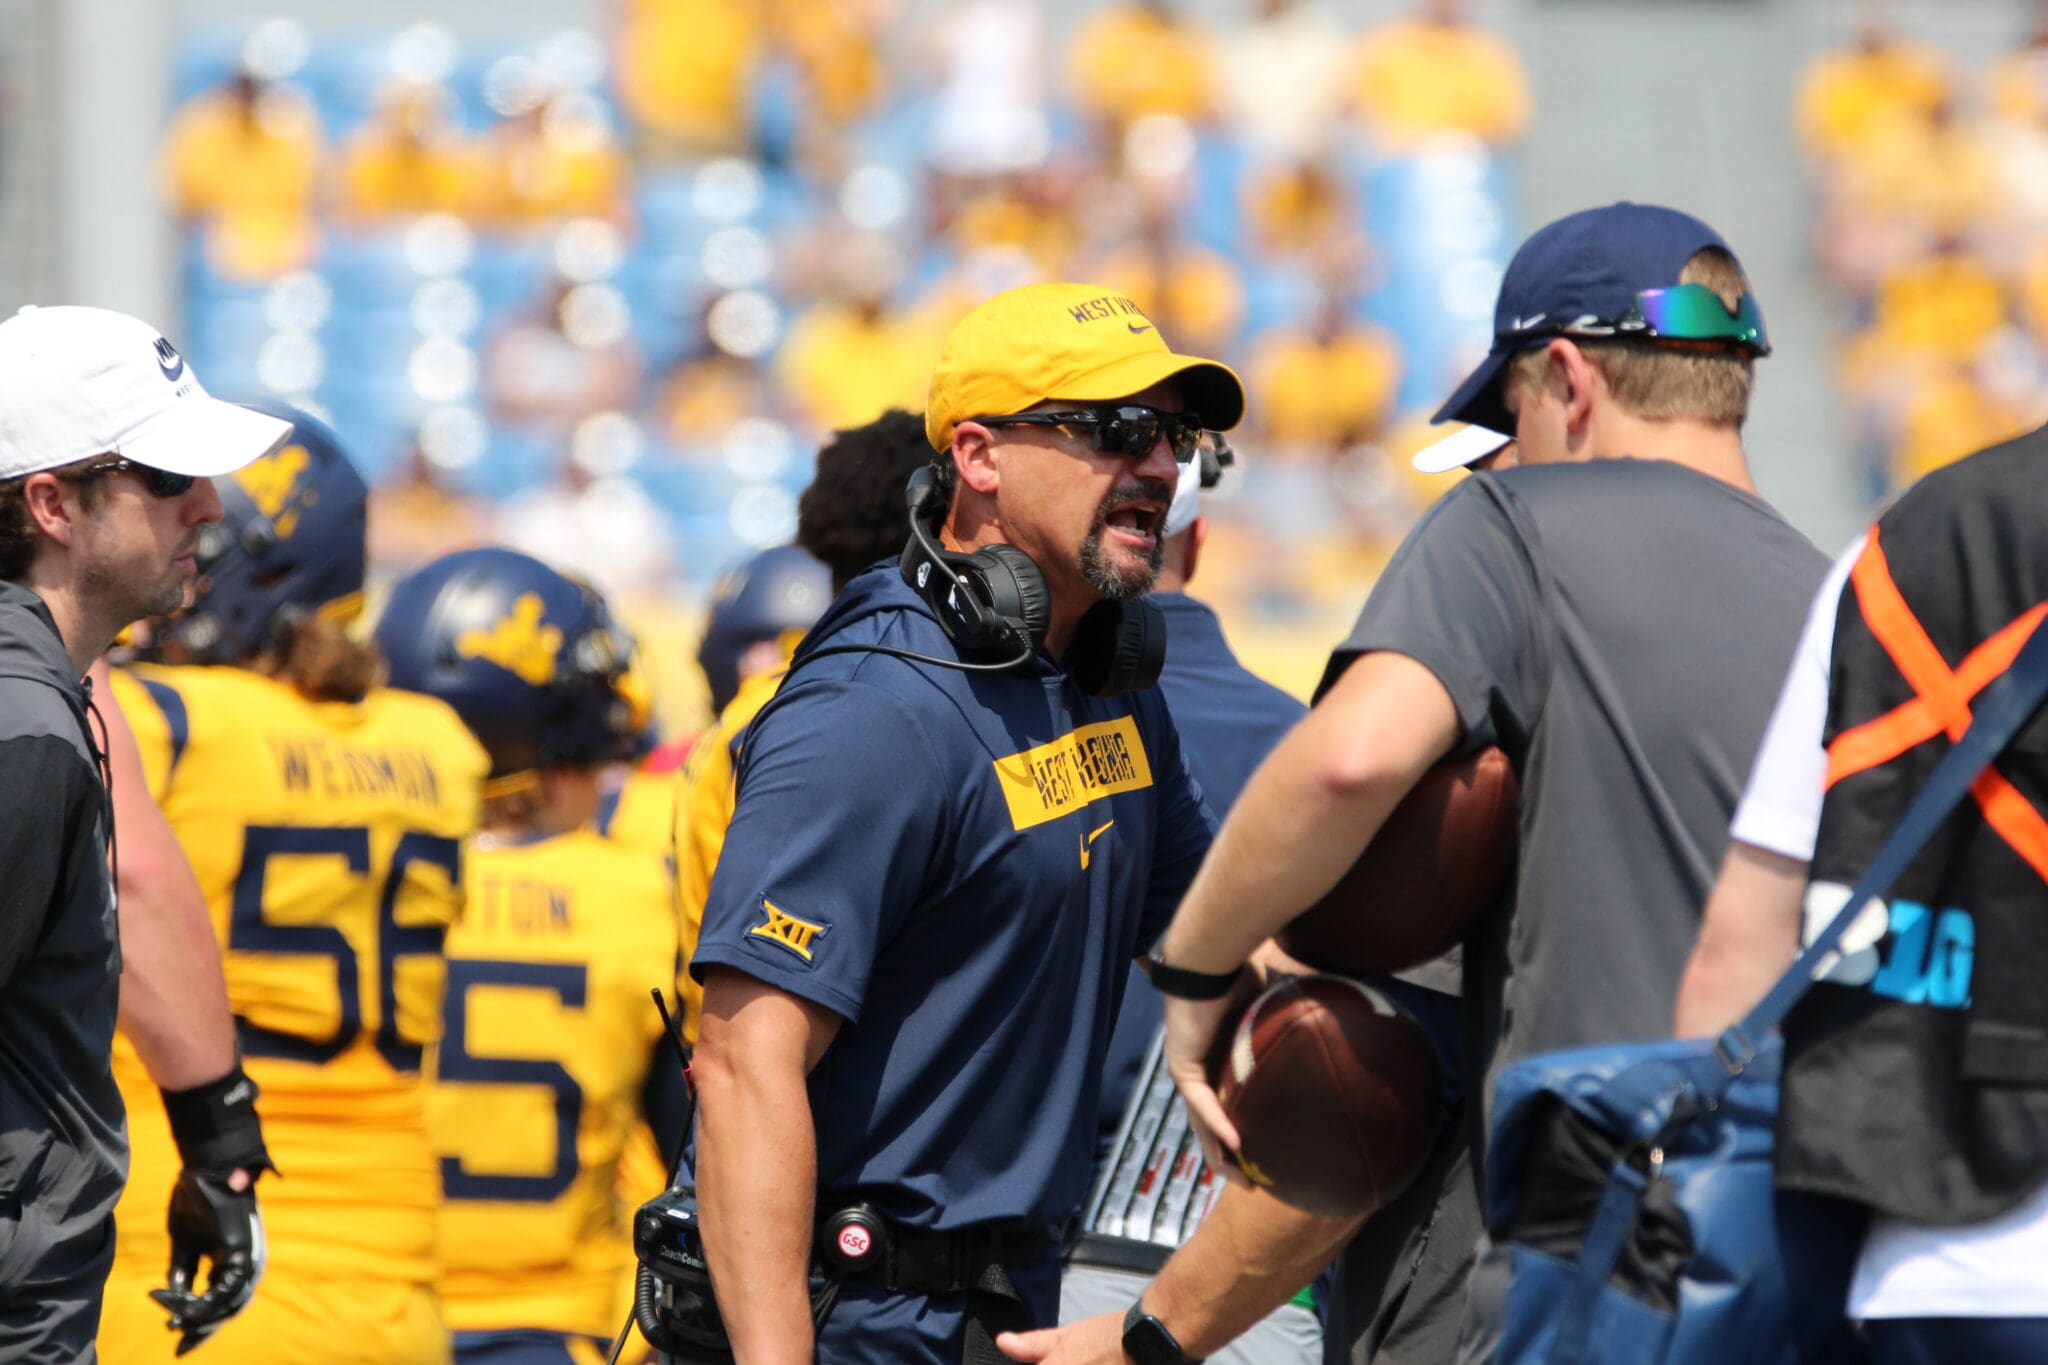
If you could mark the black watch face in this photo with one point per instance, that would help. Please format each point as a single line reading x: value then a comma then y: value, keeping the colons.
x: 1147, y: 1342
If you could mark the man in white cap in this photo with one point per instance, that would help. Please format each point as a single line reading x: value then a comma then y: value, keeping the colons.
x: 107, y: 442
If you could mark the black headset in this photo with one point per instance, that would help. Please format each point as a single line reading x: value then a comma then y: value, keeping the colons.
x: 994, y: 606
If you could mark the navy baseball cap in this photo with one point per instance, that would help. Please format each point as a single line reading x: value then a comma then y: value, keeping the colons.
x: 1585, y: 269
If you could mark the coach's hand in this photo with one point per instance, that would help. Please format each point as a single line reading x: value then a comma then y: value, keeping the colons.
x: 214, y: 1218
x: 1091, y: 1341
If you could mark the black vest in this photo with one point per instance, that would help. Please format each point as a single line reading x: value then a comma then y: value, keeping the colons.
x: 1919, y: 1086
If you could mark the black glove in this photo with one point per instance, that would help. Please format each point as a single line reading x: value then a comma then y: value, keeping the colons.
x: 209, y: 1219
x: 218, y: 1133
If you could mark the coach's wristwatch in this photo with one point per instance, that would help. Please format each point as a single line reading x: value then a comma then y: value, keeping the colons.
x: 1184, y: 984
x: 1147, y: 1341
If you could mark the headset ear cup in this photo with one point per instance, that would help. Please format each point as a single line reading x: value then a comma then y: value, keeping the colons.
x: 1119, y: 647
x: 1016, y: 589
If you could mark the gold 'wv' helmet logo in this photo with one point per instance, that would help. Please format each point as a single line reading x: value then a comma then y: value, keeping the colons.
x: 518, y: 643
x: 270, y: 483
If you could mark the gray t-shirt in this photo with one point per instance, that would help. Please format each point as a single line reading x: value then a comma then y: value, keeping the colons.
x: 1620, y: 628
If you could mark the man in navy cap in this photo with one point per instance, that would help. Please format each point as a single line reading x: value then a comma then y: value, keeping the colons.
x: 1615, y: 613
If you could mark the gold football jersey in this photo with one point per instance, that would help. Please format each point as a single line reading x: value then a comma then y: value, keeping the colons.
x: 550, y: 1030
x: 641, y: 810
x: 327, y: 838
x: 703, y: 810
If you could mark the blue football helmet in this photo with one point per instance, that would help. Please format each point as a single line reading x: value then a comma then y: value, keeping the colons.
x: 529, y: 658
x: 291, y: 544
x: 777, y: 590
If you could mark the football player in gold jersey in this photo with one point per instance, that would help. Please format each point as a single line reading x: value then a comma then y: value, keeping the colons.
x: 324, y: 817
x: 550, y: 1038
x: 636, y: 803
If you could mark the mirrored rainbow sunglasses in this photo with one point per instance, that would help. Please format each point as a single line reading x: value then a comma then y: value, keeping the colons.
x: 1684, y: 312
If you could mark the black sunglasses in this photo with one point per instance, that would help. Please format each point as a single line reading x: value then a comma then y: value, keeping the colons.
x: 161, y: 483
x: 1130, y: 430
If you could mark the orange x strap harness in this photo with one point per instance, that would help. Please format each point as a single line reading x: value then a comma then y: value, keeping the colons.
x: 1943, y: 703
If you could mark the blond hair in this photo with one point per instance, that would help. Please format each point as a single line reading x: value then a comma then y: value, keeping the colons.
x: 1660, y: 382
x: 324, y: 661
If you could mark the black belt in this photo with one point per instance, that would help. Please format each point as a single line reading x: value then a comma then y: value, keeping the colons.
x: 1117, y: 1253
x: 864, y: 1247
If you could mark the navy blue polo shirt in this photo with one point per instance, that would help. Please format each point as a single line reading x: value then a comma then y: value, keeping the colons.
x: 962, y: 866
x: 1229, y: 720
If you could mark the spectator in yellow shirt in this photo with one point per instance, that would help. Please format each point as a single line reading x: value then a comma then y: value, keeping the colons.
x: 1934, y: 174
x: 1933, y: 315
x: 854, y: 354
x: 1951, y: 414
x: 1850, y: 98
x: 1945, y: 306
x: 243, y: 163
x: 706, y: 394
x: 410, y: 158
x: 1142, y: 58
x: 1030, y: 211
x: 685, y: 71
x: 416, y: 517
x: 1325, y: 387
x: 1296, y: 207
x: 836, y: 45
x: 1437, y: 73
x: 1193, y: 293
x: 555, y: 158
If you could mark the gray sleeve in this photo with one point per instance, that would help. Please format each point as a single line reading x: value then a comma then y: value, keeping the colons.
x: 1464, y: 597
x: 42, y: 791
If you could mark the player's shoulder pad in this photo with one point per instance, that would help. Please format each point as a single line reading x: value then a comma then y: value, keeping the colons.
x: 154, y: 702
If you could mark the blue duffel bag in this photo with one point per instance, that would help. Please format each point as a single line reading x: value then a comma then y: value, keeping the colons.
x: 1630, y: 1185
x: 1640, y: 1222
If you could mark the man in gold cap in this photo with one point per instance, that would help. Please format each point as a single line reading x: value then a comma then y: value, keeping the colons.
x: 963, y: 814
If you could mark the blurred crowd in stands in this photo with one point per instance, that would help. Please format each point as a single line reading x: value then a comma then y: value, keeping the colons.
x: 601, y: 295
x: 1933, y: 232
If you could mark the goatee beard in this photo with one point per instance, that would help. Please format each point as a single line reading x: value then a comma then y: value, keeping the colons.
x: 1121, y: 584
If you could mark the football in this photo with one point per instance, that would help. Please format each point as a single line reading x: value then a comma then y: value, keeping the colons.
x: 1436, y: 864
x: 1334, y: 1092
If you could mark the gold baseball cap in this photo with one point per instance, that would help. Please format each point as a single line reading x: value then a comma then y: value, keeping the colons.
x: 1064, y: 341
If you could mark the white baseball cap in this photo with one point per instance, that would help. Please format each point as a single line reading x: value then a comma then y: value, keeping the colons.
x: 79, y: 382
x: 1458, y: 449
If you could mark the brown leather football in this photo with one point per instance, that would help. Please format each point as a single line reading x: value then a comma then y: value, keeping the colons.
x: 1334, y: 1092
x: 1436, y: 864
